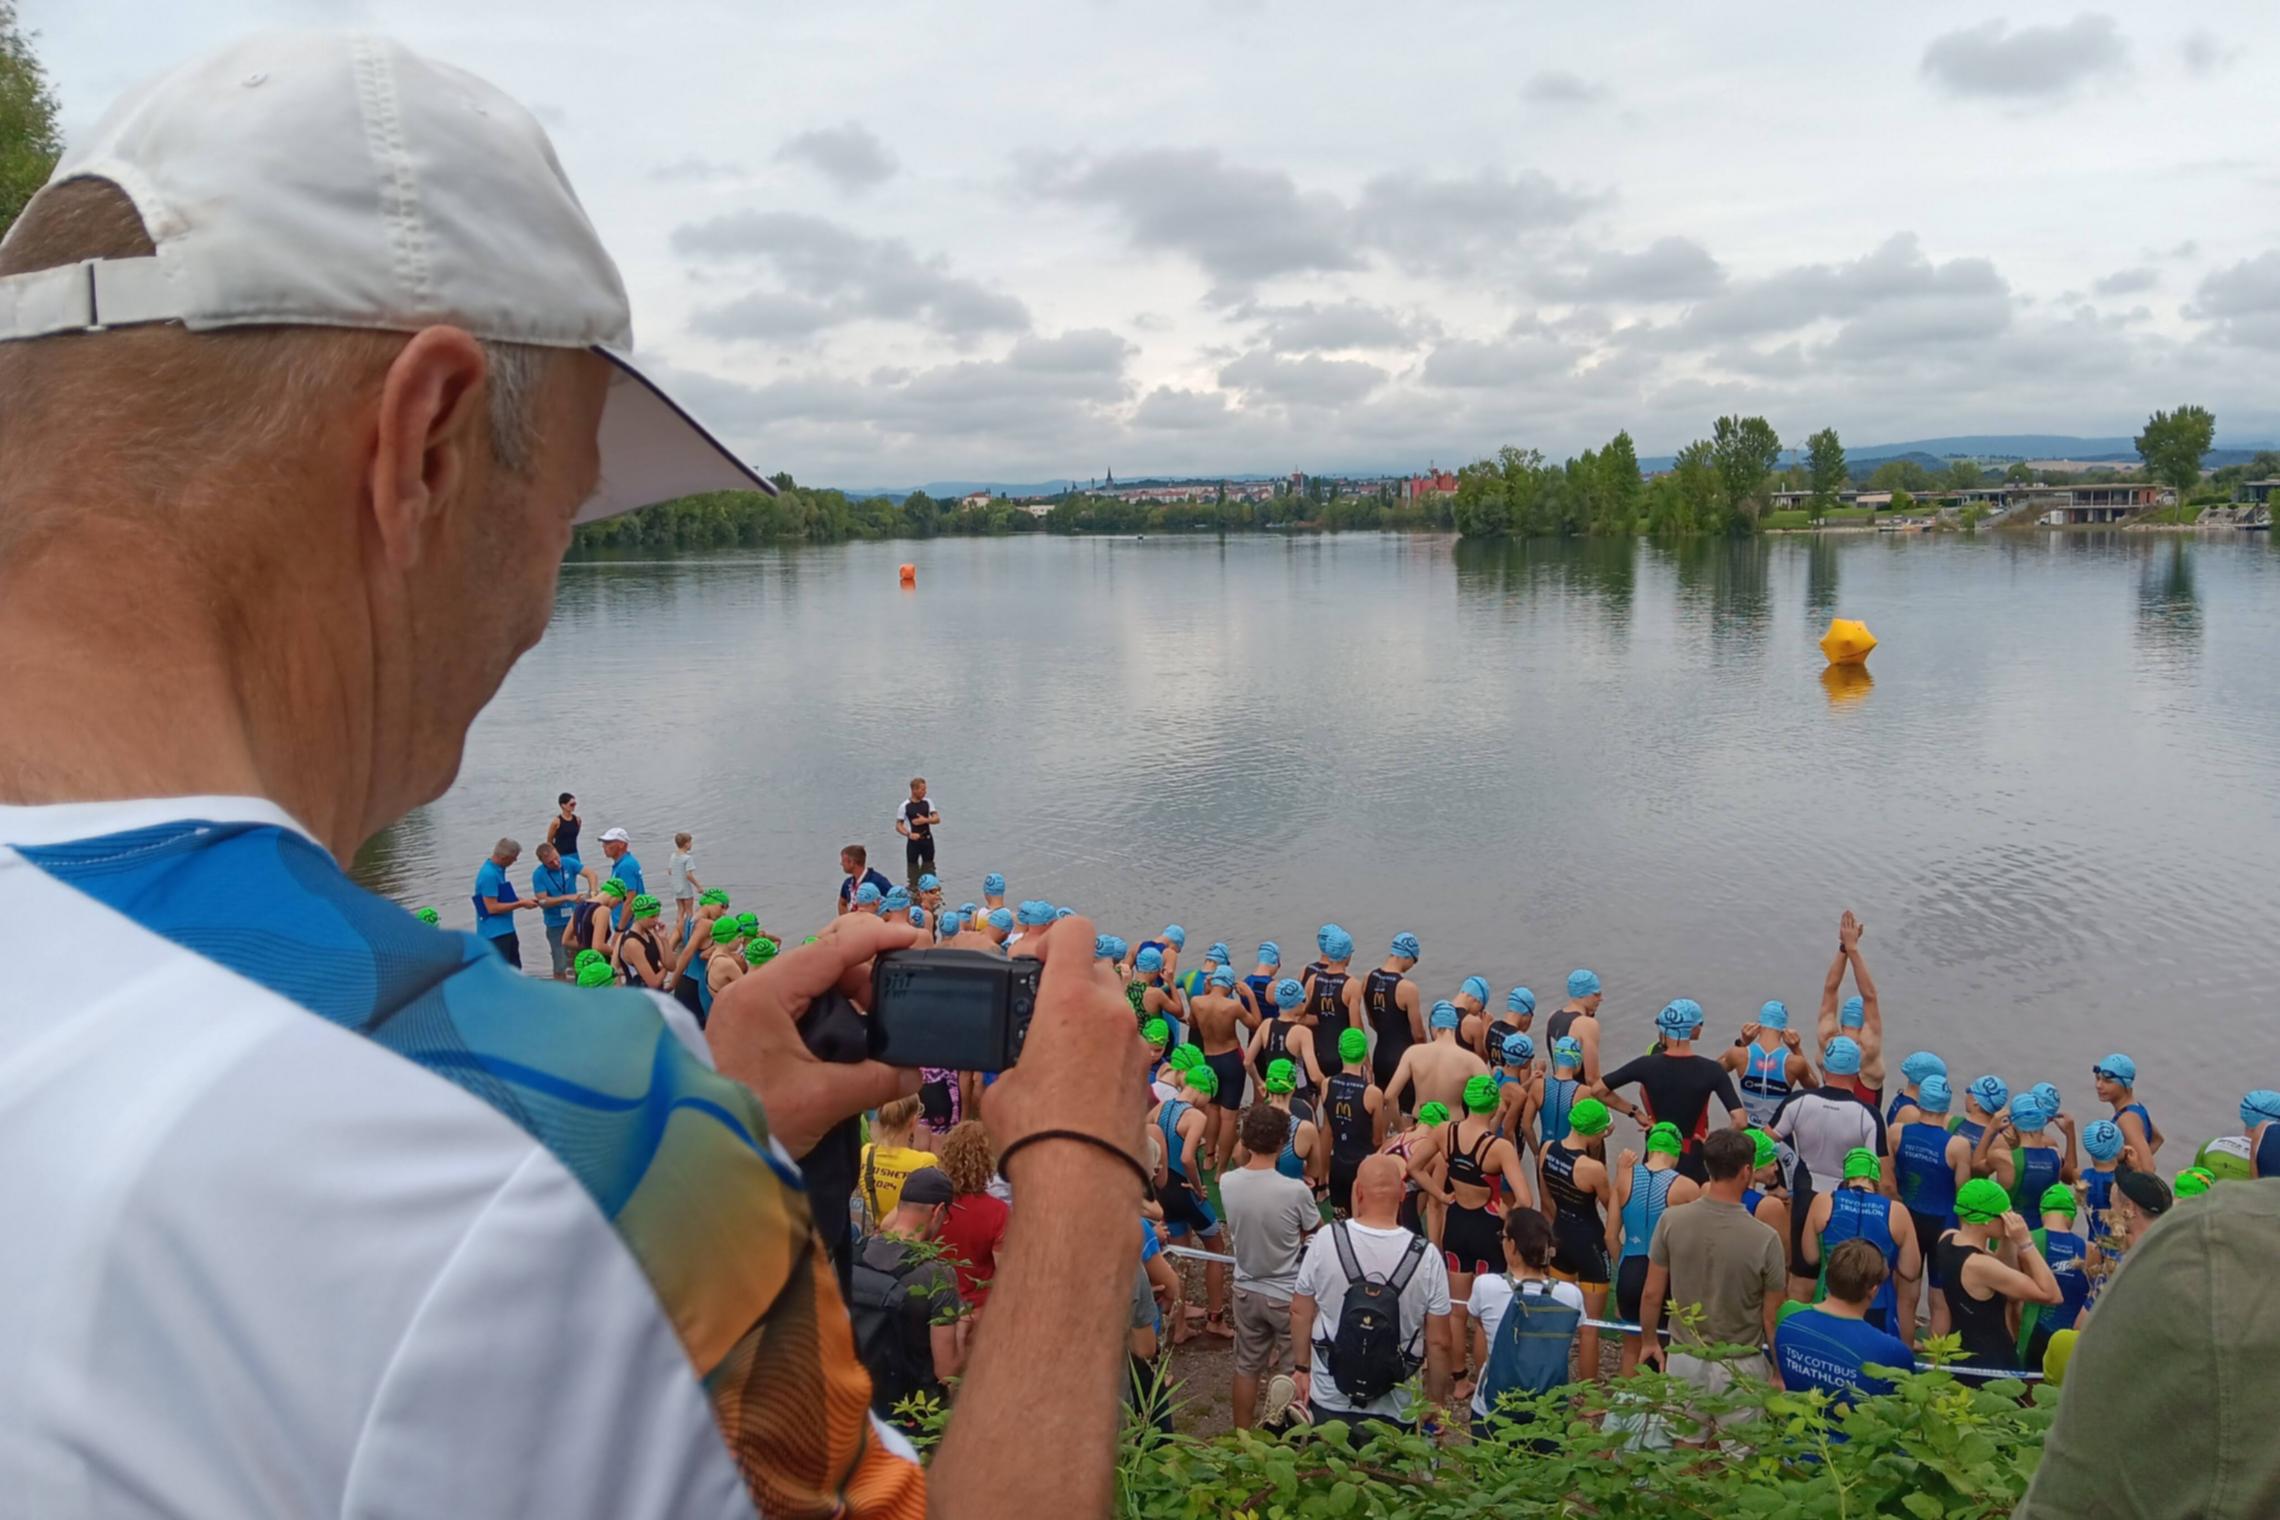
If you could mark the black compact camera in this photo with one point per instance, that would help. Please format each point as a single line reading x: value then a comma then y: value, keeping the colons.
x: 963, y: 1010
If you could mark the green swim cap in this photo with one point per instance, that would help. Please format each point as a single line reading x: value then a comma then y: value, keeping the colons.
x: 761, y: 951
x: 711, y: 896
x: 646, y: 906
x: 614, y: 888
x: 1861, y: 1164
x: 1203, y: 1080
x: 748, y: 922
x: 1663, y: 1138
x: 1981, y: 1200
x: 1433, y: 1113
x: 585, y: 958
x: 1480, y: 1095
x: 1156, y: 1032
x: 1767, y: 1151
x: 2194, y: 1181
x: 725, y: 930
x: 1185, y: 1057
x: 2058, y: 1198
x: 1588, y: 1117
x: 1353, y: 1045
x: 1282, y: 1076
x: 428, y: 916
x: 595, y: 974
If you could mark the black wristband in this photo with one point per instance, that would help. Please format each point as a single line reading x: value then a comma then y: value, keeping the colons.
x: 1110, y: 1146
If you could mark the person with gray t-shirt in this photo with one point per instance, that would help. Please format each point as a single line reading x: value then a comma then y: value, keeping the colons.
x: 1269, y: 1217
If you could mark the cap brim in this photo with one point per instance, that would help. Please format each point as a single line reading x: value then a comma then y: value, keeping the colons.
x: 653, y: 450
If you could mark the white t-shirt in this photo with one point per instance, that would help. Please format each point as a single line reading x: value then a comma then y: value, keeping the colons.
x: 290, y: 1233
x: 1492, y: 1295
x: 1378, y: 1253
x: 678, y: 865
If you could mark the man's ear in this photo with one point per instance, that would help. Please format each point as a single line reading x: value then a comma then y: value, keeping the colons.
x: 428, y: 432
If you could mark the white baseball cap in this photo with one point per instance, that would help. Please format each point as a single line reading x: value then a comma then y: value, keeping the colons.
x: 317, y: 179
x: 616, y: 836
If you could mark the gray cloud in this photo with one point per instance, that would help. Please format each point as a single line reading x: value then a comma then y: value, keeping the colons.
x: 1167, y: 409
x: 1469, y: 364
x: 2205, y: 53
x: 1312, y: 326
x: 1559, y: 87
x: 2125, y: 282
x: 1310, y: 381
x: 850, y: 155
x: 1459, y: 226
x: 696, y: 170
x: 1896, y: 276
x: 1668, y: 269
x: 2032, y: 63
x: 2242, y: 301
x: 835, y: 275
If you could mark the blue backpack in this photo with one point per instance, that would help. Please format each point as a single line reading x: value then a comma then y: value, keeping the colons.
x: 1531, y: 1351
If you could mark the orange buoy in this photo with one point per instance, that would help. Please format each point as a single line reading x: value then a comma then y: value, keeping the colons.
x: 910, y: 575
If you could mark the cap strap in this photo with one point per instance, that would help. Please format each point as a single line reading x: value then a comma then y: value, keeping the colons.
x: 86, y: 297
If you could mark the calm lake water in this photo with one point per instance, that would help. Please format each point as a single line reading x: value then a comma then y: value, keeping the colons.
x: 2053, y: 803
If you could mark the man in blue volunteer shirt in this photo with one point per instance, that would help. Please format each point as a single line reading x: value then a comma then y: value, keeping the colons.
x: 496, y: 904
x: 1830, y: 1345
x: 554, y: 886
x: 618, y: 846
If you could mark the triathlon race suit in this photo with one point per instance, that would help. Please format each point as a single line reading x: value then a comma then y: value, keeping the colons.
x: 1560, y: 1094
x: 1322, y: 1000
x: 1556, y: 1028
x: 1678, y: 1090
x: 1642, y: 1211
x: 1381, y: 1005
x: 2063, y: 1252
x: 1764, y: 1083
x: 1288, y: 1161
x: 1899, y: 1101
x: 1579, y: 1235
x: 1854, y: 1214
x: 686, y: 986
x: 1276, y: 1047
x: 1411, y: 1216
x: 1181, y: 1205
x: 2097, y: 1197
x: 1926, y: 1184
x: 1262, y: 994
x: 941, y: 1103
x: 2033, y: 1169
x: 1979, y: 1322
x: 1471, y: 1239
x: 918, y: 850
x: 2267, y: 1163
x: 1346, y: 1109
x: 1970, y: 1129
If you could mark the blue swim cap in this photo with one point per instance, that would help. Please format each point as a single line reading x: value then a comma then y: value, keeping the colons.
x: 1218, y: 955
x: 2102, y: 1139
x: 1921, y: 1064
x: 2046, y: 1093
x: 1445, y: 1016
x: 1270, y: 954
x: 968, y: 910
x: 1107, y: 947
x: 1288, y: 993
x: 1476, y: 988
x: 1520, y: 1000
x: 1001, y: 919
x: 1680, y: 1017
x: 993, y: 885
x: 1336, y: 943
x: 1932, y: 1094
x: 1175, y: 936
x: 1992, y: 1092
x: 1405, y: 945
x: 1519, y: 1050
x: 1774, y: 1015
x: 930, y: 883
x: 1567, y: 1051
x: 1151, y: 959
x: 2259, y: 1106
x: 1035, y: 913
x: 952, y: 922
x: 1854, y: 1014
x: 1842, y: 1058
x: 1061, y: 913
x: 1223, y: 976
x: 2119, y: 1068
x: 2027, y: 1113
x: 867, y: 895
x: 1583, y: 984
x: 896, y: 900
x: 918, y: 918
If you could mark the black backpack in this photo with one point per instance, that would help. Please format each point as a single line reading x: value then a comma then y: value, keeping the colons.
x: 891, y: 1328
x: 1369, y: 1357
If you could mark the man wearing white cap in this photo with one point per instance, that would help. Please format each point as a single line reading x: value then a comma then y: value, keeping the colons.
x: 309, y: 361
x: 617, y: 844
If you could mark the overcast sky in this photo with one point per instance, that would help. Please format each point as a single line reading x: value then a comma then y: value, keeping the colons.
x: 889, y: 243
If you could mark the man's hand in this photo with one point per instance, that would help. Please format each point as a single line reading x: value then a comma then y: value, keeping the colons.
x: 1082, y: 1066
x: 755, y: 1038
x: 1794, y: 1040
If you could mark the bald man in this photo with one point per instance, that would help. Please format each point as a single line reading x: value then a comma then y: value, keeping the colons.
x: 1381, y: 1249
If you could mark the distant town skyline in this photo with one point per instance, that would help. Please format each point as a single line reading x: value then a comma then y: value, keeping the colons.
x: 926, y: 243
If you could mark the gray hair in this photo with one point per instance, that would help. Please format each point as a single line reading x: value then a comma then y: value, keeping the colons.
x: 505, y: 849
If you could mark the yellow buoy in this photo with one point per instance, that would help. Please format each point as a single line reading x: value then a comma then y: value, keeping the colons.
x: 1847, y: 642
x: 1846, y: 684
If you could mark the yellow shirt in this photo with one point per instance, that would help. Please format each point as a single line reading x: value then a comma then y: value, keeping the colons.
x: 882, y: 1174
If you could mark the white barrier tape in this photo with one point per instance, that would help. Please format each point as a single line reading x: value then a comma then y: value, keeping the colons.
x: 1627, y: 1328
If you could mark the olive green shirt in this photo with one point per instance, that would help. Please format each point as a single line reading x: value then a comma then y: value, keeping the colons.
x: 1724, y: 1261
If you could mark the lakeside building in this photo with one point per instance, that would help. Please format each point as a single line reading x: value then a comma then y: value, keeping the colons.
x: 2059, y: 506
x: 1434, y: 482
x: 2255, y: 492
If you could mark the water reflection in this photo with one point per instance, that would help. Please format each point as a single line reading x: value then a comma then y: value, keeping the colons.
x: 1600, y: 574
x: 1821, y: 577
x: 1725, y: 584
x: 2168, y: 603
x: 1846, y: 685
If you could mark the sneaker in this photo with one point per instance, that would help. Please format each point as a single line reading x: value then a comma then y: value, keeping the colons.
x: 1282, y: 1393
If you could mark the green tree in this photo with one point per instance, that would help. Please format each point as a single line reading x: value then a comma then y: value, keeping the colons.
x: 2020, y: 474
x: 1901, y: 501
x: 1963, y: 475
x: 1744, y: 449
x: 1824, y: 472
x: 2173, y: 443
x: 1901, y: 475
x: 29, y: 142
x: 1620, y: 487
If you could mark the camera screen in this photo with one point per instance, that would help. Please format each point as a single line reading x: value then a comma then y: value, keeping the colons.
x: 952, y: 997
